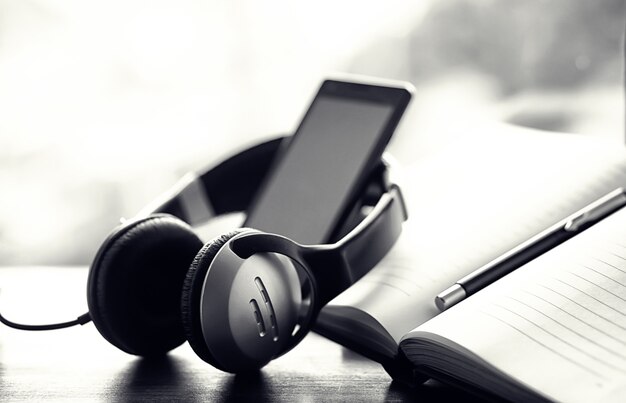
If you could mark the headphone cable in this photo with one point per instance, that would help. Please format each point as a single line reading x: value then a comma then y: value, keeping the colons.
x: 81, y: 320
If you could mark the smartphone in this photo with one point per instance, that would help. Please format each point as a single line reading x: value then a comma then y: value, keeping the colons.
x: 326, y: 162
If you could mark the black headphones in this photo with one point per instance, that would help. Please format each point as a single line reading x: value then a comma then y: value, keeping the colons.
x: 245, y: 297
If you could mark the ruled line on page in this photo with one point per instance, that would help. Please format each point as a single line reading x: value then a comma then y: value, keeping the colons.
x: 552, y: 350
x: 572, y: 330
x: 603, y: 275
x: 605, y: 333
x: 584, y: 307
x: 590, y: 296
x: 596, y: 285
x: 609, y: 264
x: 563, y: 341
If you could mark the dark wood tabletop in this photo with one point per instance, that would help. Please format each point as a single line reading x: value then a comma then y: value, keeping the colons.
x: 78, y: 364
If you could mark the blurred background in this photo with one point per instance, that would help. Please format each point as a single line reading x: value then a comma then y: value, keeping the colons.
x: 103, y: 105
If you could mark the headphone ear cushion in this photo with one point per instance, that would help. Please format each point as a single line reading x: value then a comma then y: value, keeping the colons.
x: 135, y: 281
x: 192, y: 293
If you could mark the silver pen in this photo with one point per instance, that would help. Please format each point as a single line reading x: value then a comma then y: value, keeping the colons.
x: 530, y: 249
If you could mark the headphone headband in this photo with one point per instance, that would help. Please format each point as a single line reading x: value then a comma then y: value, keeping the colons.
x: 227, y: 187
x: 230, y: 186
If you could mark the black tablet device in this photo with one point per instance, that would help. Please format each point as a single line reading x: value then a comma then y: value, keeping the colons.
x: 318, y: 172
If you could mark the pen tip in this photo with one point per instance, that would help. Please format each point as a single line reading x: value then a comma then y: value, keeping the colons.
x: 451, y: 296
x: 439, y: 302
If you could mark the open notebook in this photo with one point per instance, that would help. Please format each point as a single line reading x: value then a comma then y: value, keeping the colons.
x: 555, y: 328
x: 468, y: 205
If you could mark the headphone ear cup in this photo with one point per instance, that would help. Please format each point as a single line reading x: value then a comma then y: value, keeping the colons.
x: 192, y: 293
x: 135, y: 281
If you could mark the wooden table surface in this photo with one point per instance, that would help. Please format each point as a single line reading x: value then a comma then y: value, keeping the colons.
x: 78, y: 364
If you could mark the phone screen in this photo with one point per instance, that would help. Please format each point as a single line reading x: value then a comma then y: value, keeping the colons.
x: 316, y: 176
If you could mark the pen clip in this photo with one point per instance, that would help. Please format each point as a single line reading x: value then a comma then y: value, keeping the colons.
x: 597, y: 210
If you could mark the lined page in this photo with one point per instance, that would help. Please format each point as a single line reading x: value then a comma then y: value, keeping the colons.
x: 557, y: 324
x: 474, y: 202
